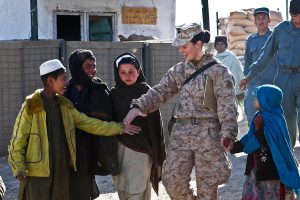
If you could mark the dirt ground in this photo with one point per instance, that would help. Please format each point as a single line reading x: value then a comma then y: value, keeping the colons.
x: 232, y: 190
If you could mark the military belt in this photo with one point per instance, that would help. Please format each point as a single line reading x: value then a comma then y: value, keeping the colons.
x: 194, y: 120
x: 291, y: 70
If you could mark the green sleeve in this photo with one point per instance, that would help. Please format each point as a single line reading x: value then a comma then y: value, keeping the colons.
x: 96, y: 126
x: 18, y: 142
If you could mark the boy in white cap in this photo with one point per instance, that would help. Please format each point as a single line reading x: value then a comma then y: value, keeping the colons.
x: 42, y: 148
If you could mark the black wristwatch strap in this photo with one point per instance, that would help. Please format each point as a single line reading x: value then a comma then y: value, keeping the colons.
x: 134, y: 106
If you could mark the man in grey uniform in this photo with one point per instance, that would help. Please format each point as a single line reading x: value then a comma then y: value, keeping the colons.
x: 207, y: 118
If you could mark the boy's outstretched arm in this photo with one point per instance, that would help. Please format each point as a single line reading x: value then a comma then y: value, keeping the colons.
x: 102, y: 128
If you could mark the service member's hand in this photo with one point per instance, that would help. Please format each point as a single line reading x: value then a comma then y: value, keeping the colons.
x: 244, y: 83
x: 227, y: 144
x: 131, y: 129
x: 133, y: 113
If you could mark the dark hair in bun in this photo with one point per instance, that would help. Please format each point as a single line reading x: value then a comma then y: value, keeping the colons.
x: 203, y: 36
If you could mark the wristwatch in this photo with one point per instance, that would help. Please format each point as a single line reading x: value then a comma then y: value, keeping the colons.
x: 134, y: 106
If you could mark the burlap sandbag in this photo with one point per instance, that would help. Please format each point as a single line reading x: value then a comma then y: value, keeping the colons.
x: 250, y: 16
x: 276, y: 16
x: 233, y: 38
x: 249, y: 13
x: 238, y: 52
x: 248, y: 10
x: 237, y: 45
x: 274, y: 23
x: 241, y: 22
x: 235, y: 30
x: 250, y: 29
x: 237, y: 15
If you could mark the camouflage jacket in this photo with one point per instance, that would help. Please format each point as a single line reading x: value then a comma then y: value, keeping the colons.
x: 209, y: 95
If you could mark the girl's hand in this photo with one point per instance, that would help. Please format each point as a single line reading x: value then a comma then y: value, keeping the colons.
x: 227, y: 144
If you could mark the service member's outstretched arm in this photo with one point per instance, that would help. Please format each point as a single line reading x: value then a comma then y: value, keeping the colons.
x: 133, y: 113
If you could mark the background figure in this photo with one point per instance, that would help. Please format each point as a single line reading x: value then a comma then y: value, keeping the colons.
x: 230, y: 61
x: 140, y: 156
x: 283, y: 44
x: 254, y: 48
x: 2, y: 188
x: 271, y: 169
x: 206, y: 123
x: 95, y: 154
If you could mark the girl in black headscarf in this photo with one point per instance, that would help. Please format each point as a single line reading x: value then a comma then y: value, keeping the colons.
x: 95, y: 154
x: 140, y: 156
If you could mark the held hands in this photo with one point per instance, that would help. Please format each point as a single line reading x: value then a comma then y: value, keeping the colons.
x: 133, y: 113
x: 227, y: 144
x: 131, y: 129
x: 243, y: 83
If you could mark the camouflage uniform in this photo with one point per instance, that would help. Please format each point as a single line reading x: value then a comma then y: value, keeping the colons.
x: 206, y: 112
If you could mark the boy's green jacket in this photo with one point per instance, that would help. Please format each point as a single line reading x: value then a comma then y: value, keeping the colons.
x: 28, y: 149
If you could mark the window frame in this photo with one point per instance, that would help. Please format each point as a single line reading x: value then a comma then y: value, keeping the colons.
x: 82, y: 33
x: 84, y: 22
x: 106, y: 14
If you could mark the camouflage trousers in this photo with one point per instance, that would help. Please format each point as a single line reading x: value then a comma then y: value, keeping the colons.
x: 195, y: 146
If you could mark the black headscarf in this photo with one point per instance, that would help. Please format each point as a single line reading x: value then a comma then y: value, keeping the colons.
x: 150, y: 140
x: 127, y: 58
x: 76, y: 60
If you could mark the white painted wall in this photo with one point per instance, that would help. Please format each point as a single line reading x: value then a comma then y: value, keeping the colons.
x: 15, y: 17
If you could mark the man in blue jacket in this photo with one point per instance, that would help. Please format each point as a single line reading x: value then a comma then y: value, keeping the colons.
x: 283, y: 45
x: 254, y: 46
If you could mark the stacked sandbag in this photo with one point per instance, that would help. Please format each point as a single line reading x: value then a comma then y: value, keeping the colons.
x: 239, y: 25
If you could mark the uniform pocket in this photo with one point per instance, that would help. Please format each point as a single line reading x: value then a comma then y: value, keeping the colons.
x: 34, y: 148
x: 284, y: 49
x: 252, y: 49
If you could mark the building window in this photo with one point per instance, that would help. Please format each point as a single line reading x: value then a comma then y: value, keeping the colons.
x: 68, y: 27
x: 100, y: 28
x: 85, y: 26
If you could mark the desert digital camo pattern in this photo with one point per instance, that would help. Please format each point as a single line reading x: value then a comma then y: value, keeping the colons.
x: 209, y: 97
